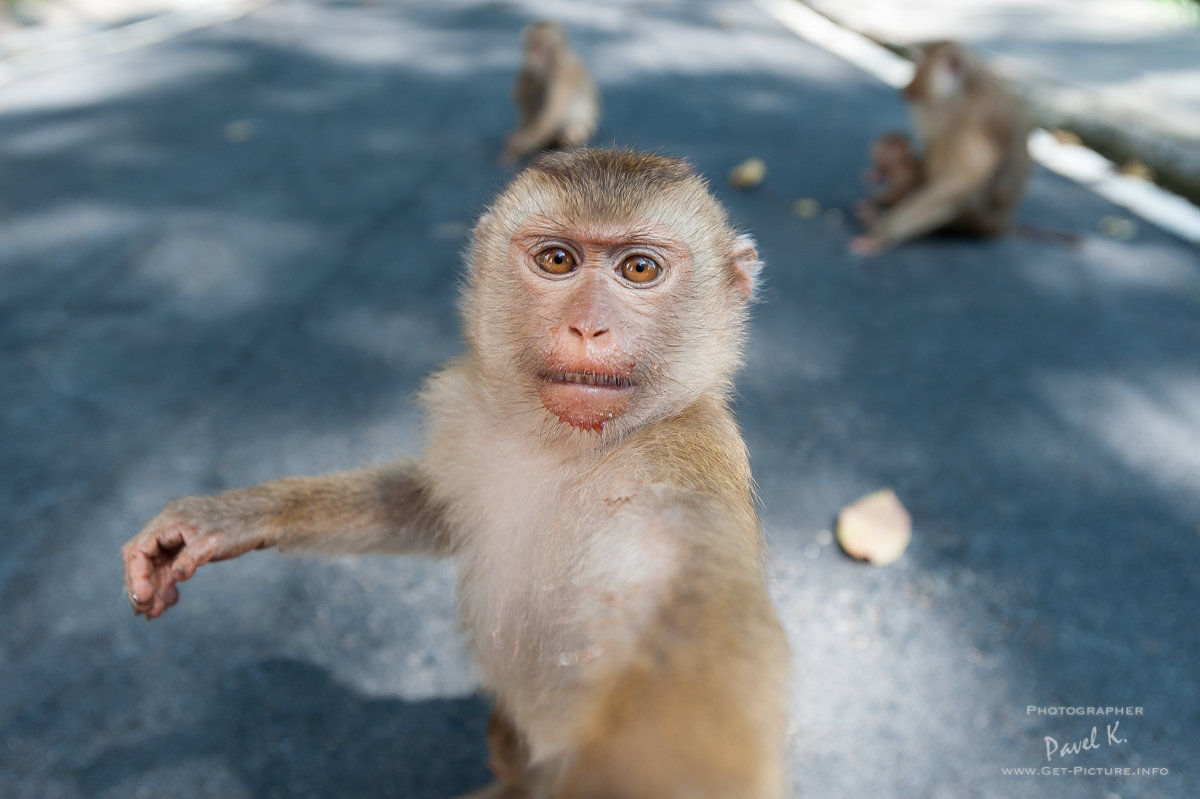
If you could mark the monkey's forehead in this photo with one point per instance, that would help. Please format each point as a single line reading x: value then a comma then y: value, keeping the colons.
x: 614, y: 184
x: 614, y: 188
x: 687, y: 209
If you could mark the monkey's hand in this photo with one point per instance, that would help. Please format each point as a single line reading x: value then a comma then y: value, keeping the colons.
x: 867, y: 245
x: 187, y: 534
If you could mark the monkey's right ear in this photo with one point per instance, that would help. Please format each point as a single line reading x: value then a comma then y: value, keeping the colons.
x: 745, y: 266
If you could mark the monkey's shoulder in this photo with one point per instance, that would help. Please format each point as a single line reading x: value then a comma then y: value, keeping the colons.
x: 699, y: 449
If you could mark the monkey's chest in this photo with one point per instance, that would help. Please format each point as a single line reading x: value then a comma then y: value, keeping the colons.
x: 556, y: 597
x: 549, y: 596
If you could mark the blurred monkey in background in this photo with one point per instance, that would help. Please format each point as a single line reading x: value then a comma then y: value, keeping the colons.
x: 558, y: 104
x: 975, y: 159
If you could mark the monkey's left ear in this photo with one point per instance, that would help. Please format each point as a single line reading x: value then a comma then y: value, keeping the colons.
x: 744, y: 266
x: 481, y: 227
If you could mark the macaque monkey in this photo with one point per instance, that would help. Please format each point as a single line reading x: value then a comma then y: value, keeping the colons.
x: 895, y: 172
x: 558, y: 104
x: 585, y: 469
x: 975, y: 161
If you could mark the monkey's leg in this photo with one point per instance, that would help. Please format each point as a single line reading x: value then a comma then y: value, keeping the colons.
x: 508, y: 758
x: 508, y: 752
x: 374, y: 510
x: 928, y: 208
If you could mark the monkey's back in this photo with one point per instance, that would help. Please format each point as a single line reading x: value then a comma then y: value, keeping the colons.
x: 991, y: 121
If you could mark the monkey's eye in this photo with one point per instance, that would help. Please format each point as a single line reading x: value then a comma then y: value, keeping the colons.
x: 555, y: 260
x: 640, y: 269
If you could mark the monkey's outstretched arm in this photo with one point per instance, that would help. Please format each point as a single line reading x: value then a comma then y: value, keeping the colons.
x: 373, y: 510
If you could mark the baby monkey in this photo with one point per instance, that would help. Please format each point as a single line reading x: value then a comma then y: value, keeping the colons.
x: 558, y: 104
x: 975, y: 161
x: 587, y: 473
x: 895, y: 172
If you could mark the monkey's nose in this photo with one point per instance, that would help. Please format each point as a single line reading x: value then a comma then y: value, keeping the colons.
x: 588, y: 330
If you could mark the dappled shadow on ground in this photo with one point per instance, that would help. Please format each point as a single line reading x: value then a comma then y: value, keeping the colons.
x: 234, y: 257
x: 284, y: 728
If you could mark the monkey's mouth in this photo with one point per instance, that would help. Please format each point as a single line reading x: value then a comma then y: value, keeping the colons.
x: 596, y: 379
x: 586, y: 400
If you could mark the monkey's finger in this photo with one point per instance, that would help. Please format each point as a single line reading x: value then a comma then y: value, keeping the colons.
x: 194, y: 556
x: 153, y: 542
x: 865, y: 245
x: 170, y: 537
x: 156, y: 609
x: 139, y: 579
x: 169, y: 594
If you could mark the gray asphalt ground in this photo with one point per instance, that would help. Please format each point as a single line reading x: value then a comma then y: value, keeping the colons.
x: 232, y: 256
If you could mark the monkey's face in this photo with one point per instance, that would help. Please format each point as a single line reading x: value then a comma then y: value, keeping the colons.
x: 598, y: 301
x: 939, y: 76
x: 894, y: 159
x: 605, y: 294
x: 542, y: 41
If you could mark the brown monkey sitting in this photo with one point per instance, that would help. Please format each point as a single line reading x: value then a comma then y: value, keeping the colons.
x: 588, y: 474
x: 975, y: 160
x: 558, y: 104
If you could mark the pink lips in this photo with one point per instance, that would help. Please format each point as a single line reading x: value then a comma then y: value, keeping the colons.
x: 585, y: 399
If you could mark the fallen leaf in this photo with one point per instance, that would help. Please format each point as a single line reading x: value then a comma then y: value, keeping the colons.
x: 748, y: 174
x: 875, y: 528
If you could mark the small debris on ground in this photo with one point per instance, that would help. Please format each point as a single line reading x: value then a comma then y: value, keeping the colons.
x: 1066, y: 137
x: 875, y: 528
x: 806, y: 208
x: 748, y: 174
x: 1118, y: 227
x: 1136, y: 169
